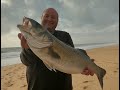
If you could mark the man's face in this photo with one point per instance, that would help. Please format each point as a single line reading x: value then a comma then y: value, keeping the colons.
x: 49, y: 19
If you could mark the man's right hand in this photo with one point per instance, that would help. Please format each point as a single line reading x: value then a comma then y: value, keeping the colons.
x: 23, y: 41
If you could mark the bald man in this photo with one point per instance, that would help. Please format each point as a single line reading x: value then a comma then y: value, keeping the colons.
x: 38, y: 76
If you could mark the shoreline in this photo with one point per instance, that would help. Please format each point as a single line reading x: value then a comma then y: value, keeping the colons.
x: 13, y: 77
x: 17, y: 59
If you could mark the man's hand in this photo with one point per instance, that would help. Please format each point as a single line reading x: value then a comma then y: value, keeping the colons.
x: 23, y: 41
x: 88, y: 71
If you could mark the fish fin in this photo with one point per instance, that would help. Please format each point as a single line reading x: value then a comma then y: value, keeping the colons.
x: 53, y: 53
x: 100, y: 76
x: 54, y: 69
x: 50, y: 67
x: 47, y: 65
x: 83, y: 54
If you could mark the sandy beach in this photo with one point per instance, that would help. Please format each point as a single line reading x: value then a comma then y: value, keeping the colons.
x: 13, y: 77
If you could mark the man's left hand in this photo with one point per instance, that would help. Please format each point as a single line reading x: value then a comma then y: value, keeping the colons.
x: 87, y: 71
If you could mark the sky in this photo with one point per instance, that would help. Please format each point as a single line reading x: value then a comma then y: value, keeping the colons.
x: 87, y: 21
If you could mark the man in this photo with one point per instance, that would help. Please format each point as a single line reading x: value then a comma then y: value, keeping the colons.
x: 38, y: 76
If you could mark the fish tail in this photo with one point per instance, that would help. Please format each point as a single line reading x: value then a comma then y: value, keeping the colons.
x: 100, y: 76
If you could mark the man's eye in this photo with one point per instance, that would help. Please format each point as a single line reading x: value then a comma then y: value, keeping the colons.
x: 46, y: 16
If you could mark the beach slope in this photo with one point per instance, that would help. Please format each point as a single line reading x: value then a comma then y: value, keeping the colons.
x: 13, y: 77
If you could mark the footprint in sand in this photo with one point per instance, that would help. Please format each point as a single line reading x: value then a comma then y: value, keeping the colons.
x: 23, y: 86
x: 8, y: 84
x: 22, y: 77
x: 85, y: 87
x: 115, y: 71
x: 5, y: 70
x: 8, y: 73
x: 85, y: 82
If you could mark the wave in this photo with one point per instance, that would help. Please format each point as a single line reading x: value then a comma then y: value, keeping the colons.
x: 11, y: 49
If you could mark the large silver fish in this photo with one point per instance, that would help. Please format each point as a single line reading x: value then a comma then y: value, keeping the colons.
x: 55, y: 54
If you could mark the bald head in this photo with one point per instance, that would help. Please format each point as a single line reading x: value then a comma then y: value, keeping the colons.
x: 49, y: 18
x: 50, y: 10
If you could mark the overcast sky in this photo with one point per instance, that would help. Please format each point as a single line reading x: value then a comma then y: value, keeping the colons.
x: 87, y: 21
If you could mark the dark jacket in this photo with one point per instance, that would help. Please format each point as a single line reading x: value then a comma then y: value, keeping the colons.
x: 41, y: 78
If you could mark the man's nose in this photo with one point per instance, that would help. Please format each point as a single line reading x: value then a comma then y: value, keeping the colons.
x: 49, y: 18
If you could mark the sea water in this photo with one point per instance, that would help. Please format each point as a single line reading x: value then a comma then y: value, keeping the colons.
x: 10, y: 56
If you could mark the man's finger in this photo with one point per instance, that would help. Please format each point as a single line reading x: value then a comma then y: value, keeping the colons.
x: 19, y: 35
x: 91, y: 73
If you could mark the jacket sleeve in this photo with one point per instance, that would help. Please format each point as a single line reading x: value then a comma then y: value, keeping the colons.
x: 69, y: 40
x: 28, y: 57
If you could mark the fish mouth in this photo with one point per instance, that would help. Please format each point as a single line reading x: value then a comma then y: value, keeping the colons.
x: 26, y: 25
x: 26, y: 22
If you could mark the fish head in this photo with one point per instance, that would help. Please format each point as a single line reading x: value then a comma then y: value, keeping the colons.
x: 30, y: 26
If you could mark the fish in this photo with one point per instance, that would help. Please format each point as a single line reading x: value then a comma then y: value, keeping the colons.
x: 55, y: 54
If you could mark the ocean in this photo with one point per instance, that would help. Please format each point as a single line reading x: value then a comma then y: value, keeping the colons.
x: 11, y: 55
